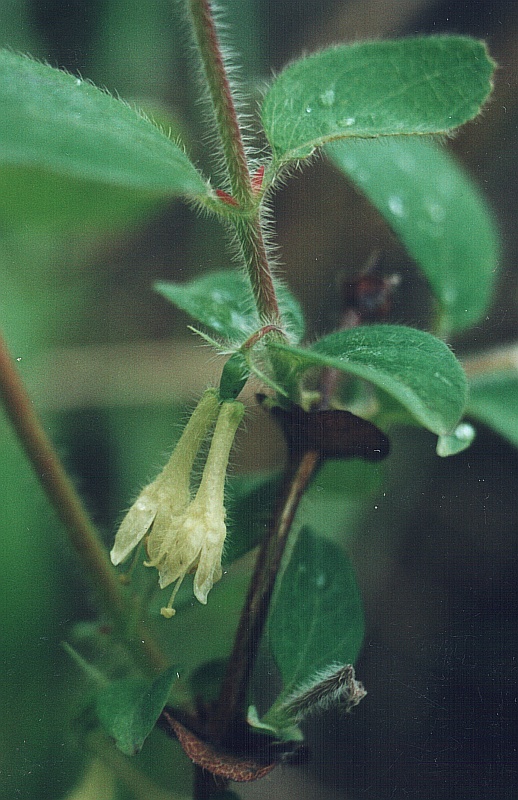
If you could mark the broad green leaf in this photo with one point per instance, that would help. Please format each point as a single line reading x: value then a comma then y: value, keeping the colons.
x: 436, y: 211
x: 223, y: 301
x: 335, y: 494
x: 423, y: 85
x: 413, y: 367
x: 317, y: 618
x: 57, y: 122
x: 493, y: 400
x: 129, y: 708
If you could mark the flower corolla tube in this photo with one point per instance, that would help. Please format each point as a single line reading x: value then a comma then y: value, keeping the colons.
x: 183, y: 533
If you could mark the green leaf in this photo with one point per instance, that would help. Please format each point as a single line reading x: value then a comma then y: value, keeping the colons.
x: 223, y: 301
x: 129, y: 708
x: 438, y: 214
x: 316, y: 622
x: 493, y: 400
x: 418, y: 85
x: 413, y: 367
x: 57, y: 122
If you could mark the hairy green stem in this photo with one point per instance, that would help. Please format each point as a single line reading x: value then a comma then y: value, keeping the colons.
x: 247, y: 225
x: 68, y: 506
x: 249, y: 233
x: 223, y: 103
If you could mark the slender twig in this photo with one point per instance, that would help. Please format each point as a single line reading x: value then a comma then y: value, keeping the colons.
x: 68, y: 506
x: 247, y: 227
x: 255, y: 611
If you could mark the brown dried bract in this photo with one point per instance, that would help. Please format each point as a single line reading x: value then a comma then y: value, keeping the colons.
x: 222, y: 764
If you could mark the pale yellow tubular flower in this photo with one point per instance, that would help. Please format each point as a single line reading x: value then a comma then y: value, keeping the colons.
x: 161, y: 502
x: 197, y: 543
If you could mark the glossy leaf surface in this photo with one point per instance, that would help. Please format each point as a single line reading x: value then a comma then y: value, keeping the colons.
x: 129, y: 708
x: 369, y: 89
x: 493, y: 400
x: 413, y: 367
x: 438, y: 214
x: 223, y: 301
x: 57, y: 122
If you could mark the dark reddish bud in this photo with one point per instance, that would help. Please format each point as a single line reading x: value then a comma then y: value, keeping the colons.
x: 257, y: 180
x: 367, y: 299
x: 226, y: 198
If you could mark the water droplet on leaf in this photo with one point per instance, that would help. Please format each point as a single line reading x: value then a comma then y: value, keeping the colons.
x: 327, y: 98
x: 395, y: 205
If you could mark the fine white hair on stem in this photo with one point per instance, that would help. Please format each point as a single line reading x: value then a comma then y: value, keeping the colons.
x: 210, y: 135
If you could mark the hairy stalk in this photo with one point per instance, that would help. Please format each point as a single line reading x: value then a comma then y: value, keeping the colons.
x: 249, y: 233
x: 70, y: 510
x: 255, y: 611
x: 247, y: 227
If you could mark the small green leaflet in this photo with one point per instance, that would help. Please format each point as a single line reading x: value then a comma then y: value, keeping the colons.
x: 129, y: 708
x: 413, y: 367
x: 223, y: 301
x: 316, y: 623
x: 438, y: 214
x: 234, y: 376
x: 57, y: 122
x: 420, y: 85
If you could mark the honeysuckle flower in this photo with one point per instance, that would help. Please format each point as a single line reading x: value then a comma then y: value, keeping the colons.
x: 184, y: 534
x: 167, y: 497
x: 194, y: 539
